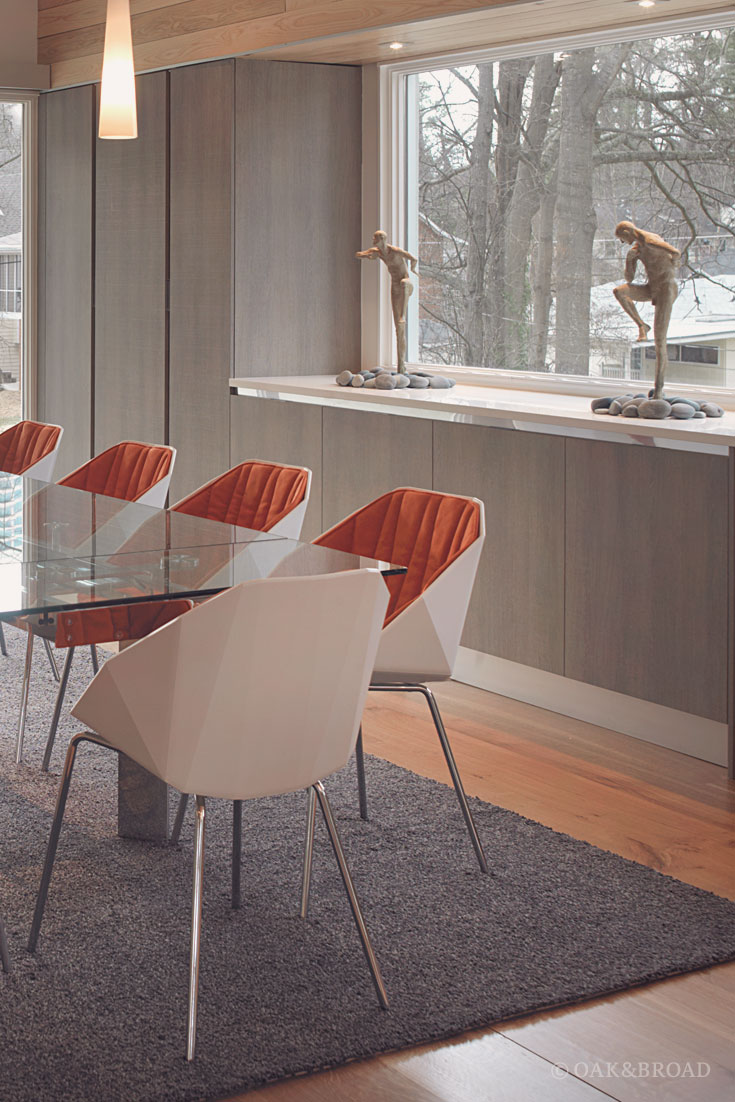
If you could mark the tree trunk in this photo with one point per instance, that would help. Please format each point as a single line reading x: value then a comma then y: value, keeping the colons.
x: 541, y: 279
x: 477, y: 211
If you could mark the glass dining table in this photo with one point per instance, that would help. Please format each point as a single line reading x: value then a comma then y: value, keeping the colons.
x: 62, y: 548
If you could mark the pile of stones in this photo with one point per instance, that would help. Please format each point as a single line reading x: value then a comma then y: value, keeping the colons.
x: 382, y: 379
x: 644, y: 405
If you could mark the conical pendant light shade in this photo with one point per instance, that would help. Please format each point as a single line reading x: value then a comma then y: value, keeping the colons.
x: 118, y: 115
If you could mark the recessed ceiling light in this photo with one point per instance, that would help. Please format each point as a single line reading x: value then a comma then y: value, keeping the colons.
x: 395, y: 45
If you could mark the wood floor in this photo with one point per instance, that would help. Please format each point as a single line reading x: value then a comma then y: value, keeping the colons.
x: 663, y: 809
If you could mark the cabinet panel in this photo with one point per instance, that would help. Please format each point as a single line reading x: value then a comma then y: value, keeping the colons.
x: 200, y: 311
x: 367, y: 454
x: 647, y: 575
x: 517, y: 607
x: 130, y: 277
x: 298, y: 187
x: 283, y: 432
x: 66, y: 169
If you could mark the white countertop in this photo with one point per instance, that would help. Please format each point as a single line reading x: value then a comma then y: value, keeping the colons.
x: 532, y: 410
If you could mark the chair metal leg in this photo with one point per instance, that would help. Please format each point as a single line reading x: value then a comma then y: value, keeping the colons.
x: 179, y: 820
x: 361, y: 786
x: 4, y: 954
x: 95, y: 659
x: 48, y: 866
x: 57, y: 709
x: 196, y: 928
x: 236, y: 852
x: 51, y: 659
x: 449, y: 756
x: 308, y: 853
x: 352, y: 895
x: 24, y: 699
x: 3, y: 648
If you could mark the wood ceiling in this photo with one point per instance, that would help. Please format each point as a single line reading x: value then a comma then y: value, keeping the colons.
x: 167, y: 33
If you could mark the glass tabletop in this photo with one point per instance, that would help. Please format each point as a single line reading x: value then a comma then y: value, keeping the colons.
x: 40, y: 521
x: 50, y: 585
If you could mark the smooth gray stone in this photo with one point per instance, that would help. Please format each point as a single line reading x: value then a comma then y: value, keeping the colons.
x: 367, y: 374
x: 655, y: 409
x: 452, y: 382
x: 712, y: 410
x: 602, y: 409
x: 418, y: 382
x: 615, y: 408
x: 439, y: 382
x: 423, y: 374
x: 402, y: 381
x: 344, y: 378
x: 385, y: 382
x: 631, y: 410
x: 600, y: 403
x: 357, y: 380
x: 700, y: 414
x: 622, y: 398
x: 635, y: 402
x: 686, y: 401
x: 682, y: 411
x: 381, y: 370
x: 370, y: 383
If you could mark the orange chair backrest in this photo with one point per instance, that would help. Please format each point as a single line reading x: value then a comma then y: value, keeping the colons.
x: 422, y: 530
x: 127, y: 470
x: 110, y: 623
x: 26, y: 443
x: 252, y: 495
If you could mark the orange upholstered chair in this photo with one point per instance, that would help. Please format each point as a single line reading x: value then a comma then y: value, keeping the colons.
x: 30, y: 448
x: 268, y: 497
x: 129, y: 470
x: 438, y: 538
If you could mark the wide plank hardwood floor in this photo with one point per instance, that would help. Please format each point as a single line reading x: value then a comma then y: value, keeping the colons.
x: 661, y: 808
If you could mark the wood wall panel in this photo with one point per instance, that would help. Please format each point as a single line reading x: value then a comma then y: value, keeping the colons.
x: 647, y: 574
x: 202, y: 107
x: 297, y: 225
x: 517, y: 608
x: 282, y: 432
x: 130, y: 277
x: 367, y: 454
x: 65, y: 269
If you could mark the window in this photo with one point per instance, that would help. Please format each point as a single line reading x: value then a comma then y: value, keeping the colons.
x: 14, y: 323
x: 517, y: 170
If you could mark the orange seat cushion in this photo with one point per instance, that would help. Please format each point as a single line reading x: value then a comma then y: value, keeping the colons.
x: 114, y: 623
x: 419, y: 529
x: 126, y: 470
x: 252, y: 495
x: 26, y: 443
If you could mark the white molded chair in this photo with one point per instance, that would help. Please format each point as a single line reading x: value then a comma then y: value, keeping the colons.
x: 438, y: 538
x: 201, y: 704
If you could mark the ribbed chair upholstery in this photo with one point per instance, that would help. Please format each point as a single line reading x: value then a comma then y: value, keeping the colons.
x: 267, y: 497
x: 129, y: 470
x: 198, y: 704
x: 30, y: 448
x: 438, y: 538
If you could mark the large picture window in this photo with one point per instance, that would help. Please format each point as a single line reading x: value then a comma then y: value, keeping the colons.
x: 13, y: 233
x: 519, y: 171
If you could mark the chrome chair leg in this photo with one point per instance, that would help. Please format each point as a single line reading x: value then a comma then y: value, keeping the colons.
x: 451, y: 763
x: 3, y: 648
x: 196, y: 928
x: 352, y: 895
x: 57, y: 709
x: 95, y: 659
x: 24, y: 699
x: 53, y: 842
x: 4, y: 954
x: 308, y: 853
x: 361, y: 786
x: 179, y: 820
x: 51, y: 659
x: 236, y: 852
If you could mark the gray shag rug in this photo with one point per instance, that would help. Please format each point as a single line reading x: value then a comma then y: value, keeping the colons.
x: 99, y: 1012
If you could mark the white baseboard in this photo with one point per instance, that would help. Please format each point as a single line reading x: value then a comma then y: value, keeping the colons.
x: 701, y: 738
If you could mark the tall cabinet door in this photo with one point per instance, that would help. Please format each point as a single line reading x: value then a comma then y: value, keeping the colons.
x: 200, y: 357
x: 66, y: 177
x: 130, y: 387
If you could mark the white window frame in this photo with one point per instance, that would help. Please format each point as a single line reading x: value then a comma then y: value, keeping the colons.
x: 29, y: 238
x: 386, y: 200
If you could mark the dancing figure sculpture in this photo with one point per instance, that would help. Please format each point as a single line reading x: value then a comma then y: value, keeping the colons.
x: 661, y: 263
x: 401, y: 288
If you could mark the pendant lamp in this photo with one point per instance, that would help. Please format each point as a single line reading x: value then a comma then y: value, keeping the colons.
x: 118, y: 114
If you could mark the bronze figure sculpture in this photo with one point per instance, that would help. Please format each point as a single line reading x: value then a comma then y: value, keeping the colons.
x: 401, y: 287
